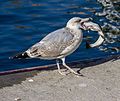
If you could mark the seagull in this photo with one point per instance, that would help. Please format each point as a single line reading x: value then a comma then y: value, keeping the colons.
x: 60, y: 43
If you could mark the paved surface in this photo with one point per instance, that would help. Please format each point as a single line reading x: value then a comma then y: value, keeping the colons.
x: 101, y: 83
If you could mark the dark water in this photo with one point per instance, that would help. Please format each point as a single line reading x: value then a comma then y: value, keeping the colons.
x: 25, y: 22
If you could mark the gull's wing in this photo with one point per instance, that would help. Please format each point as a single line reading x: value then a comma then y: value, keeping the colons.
x: 52, y: 45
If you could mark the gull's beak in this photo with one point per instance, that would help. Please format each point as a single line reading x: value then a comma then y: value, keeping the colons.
x: 85, y: 20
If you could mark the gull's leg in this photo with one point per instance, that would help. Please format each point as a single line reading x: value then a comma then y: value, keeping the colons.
x: 58, y: 66
x: 71, y: 70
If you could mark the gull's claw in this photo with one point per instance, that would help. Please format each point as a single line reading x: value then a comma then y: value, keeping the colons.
x: 62, y: 73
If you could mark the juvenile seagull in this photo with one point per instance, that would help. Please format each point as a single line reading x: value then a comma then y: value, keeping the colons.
x: 59, y: 44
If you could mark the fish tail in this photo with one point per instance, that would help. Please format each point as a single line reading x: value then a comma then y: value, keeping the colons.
x: 87, y: 45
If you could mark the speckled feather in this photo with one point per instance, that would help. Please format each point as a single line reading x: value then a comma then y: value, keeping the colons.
x: 53, y: 44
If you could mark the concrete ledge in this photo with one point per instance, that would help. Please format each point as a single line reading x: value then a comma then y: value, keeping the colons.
x: 101, y: 83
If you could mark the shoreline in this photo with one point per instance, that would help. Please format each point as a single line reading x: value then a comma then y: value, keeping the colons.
x: 101, y: 83
x: 74, y: 64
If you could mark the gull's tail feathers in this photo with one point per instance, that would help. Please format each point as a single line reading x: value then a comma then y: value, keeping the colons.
x: 20, y: 56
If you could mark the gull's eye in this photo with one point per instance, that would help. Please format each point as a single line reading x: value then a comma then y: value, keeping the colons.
x: 77, y: 21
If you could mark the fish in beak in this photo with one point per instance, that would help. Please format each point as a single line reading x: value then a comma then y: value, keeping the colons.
x: 88, y: 25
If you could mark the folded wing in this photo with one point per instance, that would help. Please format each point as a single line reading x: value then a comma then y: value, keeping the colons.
x: 52, y: 45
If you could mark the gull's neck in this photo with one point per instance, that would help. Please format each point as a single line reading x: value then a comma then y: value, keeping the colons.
x: 75, y: 31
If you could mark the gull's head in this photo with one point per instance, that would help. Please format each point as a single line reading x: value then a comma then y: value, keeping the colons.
x: 77, y: 23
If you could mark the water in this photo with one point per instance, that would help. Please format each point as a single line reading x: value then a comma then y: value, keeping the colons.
x: 25, y: 22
